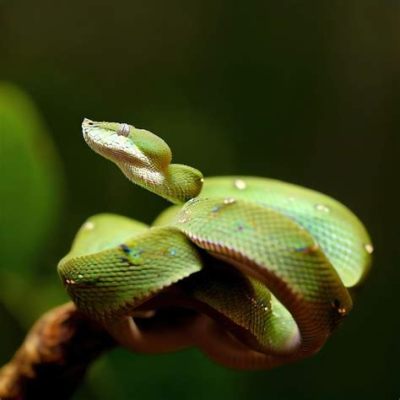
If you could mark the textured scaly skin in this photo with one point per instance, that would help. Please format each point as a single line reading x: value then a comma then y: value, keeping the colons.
x: 253, y: 271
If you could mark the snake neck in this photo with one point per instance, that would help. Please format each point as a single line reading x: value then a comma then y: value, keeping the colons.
x: 177, y: 183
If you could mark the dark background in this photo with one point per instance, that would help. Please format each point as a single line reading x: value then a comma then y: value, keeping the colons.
x: 303, y: 91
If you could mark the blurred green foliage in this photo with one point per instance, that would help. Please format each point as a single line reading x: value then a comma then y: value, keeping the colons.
x: 30, y: 196
x: 306, y: 92
x: 30, y: 180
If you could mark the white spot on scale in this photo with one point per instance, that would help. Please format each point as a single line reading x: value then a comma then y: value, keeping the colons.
x: 322, y: 208
x: 184, y: 217
x: 341, y: 310
x: 229, y: 200
x: 240, y: 184
x: 88, y: 225
x: 369, y: 248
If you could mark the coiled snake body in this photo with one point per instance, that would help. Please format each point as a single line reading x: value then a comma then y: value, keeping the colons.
x: 255, y: 272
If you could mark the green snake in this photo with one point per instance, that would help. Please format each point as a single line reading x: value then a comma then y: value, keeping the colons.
x: 254, y: 272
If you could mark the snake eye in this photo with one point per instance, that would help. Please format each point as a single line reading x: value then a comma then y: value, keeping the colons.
x: 123, y: 130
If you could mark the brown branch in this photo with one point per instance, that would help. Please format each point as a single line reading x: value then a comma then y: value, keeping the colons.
x: 54, y: 357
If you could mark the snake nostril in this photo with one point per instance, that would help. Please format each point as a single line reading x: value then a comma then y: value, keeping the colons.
x: 87, y: 121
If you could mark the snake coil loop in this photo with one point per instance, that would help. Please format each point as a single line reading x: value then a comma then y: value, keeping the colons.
x: 253, y: 271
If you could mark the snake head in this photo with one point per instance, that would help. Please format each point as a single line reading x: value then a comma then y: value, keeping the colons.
x: 144, y: 158
x: 123, y: 143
